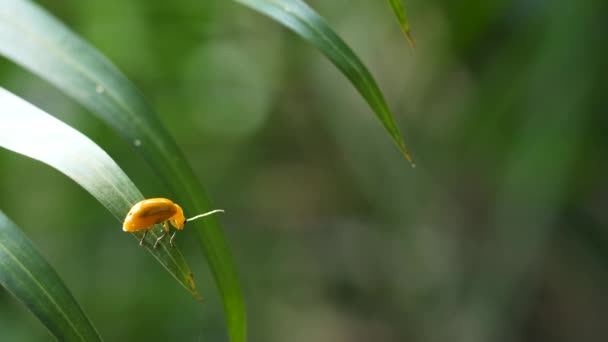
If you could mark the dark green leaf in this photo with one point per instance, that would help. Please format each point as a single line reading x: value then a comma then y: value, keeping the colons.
x: 304, y: 21
x: 26, y: 274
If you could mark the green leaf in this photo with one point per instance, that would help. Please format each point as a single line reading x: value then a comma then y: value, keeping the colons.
x: 303, y: 20
x: 26, y: 274
x: 30, y: 131
x: 399, y: 10
x: 34, y: 39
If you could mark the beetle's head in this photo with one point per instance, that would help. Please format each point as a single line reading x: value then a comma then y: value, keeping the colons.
x: 179, y: 220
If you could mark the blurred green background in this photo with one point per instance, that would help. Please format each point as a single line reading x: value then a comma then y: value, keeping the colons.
x: 499, y: 234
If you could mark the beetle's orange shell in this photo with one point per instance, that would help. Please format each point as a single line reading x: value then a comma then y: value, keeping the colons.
x: 149, y: 212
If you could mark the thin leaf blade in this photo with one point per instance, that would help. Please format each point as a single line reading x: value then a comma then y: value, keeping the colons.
x: 304, y: 21
x: 30, y: 278
x: 399, y: 10
x: 31, y: 132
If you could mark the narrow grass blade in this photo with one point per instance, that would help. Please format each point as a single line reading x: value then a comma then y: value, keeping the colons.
x: 29, y: 277
x: 399, y: 11
x: 303, y: 20
x: 34, y: 39
x: 29, y: 131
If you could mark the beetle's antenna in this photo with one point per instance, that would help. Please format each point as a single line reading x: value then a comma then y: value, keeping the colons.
x: 205, y: 214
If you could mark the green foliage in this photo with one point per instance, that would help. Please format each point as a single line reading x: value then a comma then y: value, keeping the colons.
x: 38, y: 42
x: 303, y: 20
x: 35, y: 40
x: 35, y: 134
x: 499, y: 233
x: 27, y: 275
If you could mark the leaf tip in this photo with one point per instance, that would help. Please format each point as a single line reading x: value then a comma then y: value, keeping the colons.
x: 409, y: 38
x: 190, y: 279
x: 406, y: 154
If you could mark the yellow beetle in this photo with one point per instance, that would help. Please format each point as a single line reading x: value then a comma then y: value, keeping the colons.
x: 145, y: 214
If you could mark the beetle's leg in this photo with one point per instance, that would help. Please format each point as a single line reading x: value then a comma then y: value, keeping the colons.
x: 172, y: 237
x: 141, y: 242
x: 166, y: 226
x: 159, y: 238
